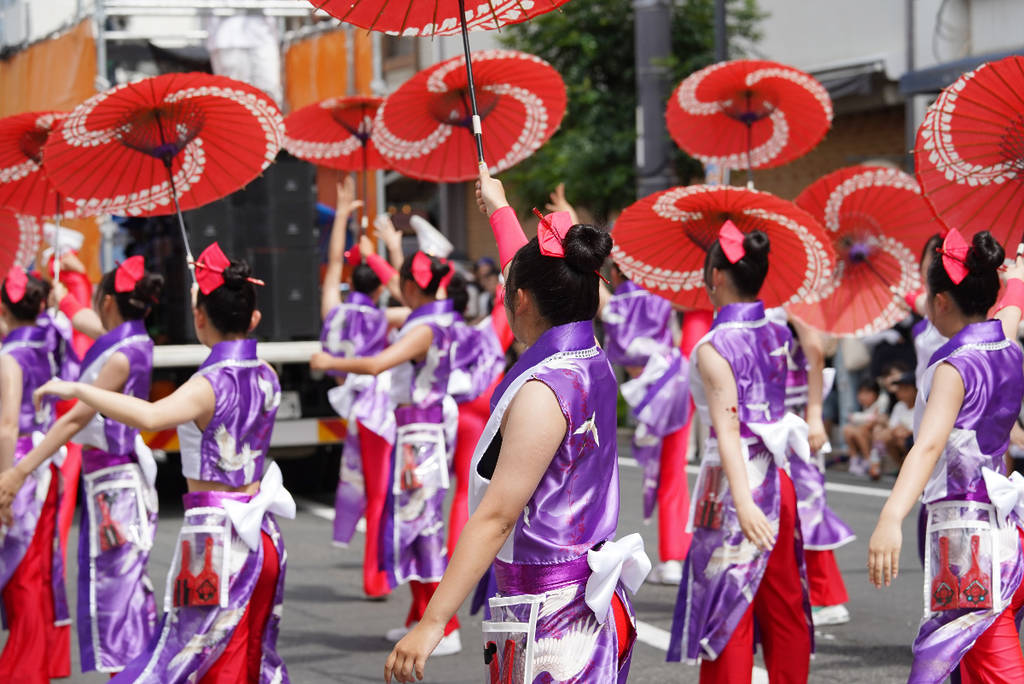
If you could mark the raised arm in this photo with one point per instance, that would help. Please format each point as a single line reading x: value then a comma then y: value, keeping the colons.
x: 411, y: 346
x: 534, y: 429
x: 723, y: 404
x: 814, y: 350
x: 490, y: 197
x: 1010, y: 306
x: 10, y: 409
x: 387, y: 273
x: 557, y: 202
x: 944, y: 402
x: 346, y: 203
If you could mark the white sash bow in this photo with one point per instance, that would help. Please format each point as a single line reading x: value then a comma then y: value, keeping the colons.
x: 624, y: 559
x: 789, y: 431
x: 634, y: 391
x: 147, y: 463
x: 247, y: 517
x: 1005, y: 493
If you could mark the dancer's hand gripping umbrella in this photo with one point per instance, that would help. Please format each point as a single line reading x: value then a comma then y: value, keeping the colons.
x: 176, y: 141
x: 440, y: 18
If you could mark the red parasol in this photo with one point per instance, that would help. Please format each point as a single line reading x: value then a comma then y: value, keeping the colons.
x: 163, y: 144
x: 24, y: 186
x: 748, y: 114
x: 969, y: 155
x: 661, y: 242
x: 20, y: 236
x: 440, y: 18
x: 424, y: 128
x: 879, y: 222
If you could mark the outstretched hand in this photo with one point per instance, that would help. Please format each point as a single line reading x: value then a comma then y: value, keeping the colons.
x: 490, y: 193
x: 61, y: 389
x: 409, y: 657
x: 884, y: 553
x: 346, y: 201
x: 11, y: 481
x: 559, y: 203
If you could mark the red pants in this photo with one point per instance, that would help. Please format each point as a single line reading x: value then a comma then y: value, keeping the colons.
x: 673, y: 497
x: 241, y: 659
x: 70, y: 471
x: 996, y: 656
x: 421, y: 594
x: 779, y: 608
x: 36, y: 649
x: 826, y: 582
x: 376, y: 457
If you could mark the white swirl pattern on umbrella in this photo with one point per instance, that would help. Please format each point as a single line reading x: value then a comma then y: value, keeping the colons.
x: 332, y: 149
x: 480, y: 19
x: 891, y: 178
x: 937, y: 137
x: 10, y: 174
x: 29, y: 238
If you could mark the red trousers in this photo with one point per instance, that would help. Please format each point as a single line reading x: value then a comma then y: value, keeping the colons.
x: 241, y: 659
x: 825, y: 580
x: 375, y: 452
x: 473, y: 417
x: 421, y: 594
x: 779, y: 608
x: 996, y: 657
x: 36, y: 649
x: 673, y: 497
x: 70, y: 471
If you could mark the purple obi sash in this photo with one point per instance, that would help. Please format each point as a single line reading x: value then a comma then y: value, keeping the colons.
x: 407, y: 415
x: 97, y: 459
x: 539, y: 578
x: 212, y: 499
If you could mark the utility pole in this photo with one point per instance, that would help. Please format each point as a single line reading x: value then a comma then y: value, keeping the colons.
x: 721, y: 33
x: 653, y: 33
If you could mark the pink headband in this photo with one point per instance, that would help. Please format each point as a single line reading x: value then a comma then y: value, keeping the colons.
x: 551, y: 234
x: 210, y: 267
x: 15, y: 284
x: 129, y: 273
x: 731, y: 239
x: 954, y: 256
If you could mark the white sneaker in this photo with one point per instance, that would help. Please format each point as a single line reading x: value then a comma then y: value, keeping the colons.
x: 830, y: 615
x: 395, y: 635
x: 449, y: 645
x: 667, y: 572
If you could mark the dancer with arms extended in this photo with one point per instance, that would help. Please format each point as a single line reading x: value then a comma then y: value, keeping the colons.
x: 968, y: 402
x: 544, y: 499
x: 226, y: 583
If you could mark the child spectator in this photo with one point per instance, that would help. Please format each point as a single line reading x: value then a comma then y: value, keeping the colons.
x: 857, y: 433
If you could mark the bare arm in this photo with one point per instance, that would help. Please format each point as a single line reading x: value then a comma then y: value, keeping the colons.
x: 346, y: 203
x: 393, y: 283
x: 723, y: 404
x: 534, y: 429
x: 10, y: 409
x: 944, y: 402
x: 412, y: 346
x: 814, y: 350
x: 397, y: 315
x: 392, y: 239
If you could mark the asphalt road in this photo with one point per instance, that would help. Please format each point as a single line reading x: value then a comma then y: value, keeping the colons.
x: 331, y: 634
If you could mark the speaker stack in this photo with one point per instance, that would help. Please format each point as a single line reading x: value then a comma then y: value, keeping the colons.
x: 271, y: 223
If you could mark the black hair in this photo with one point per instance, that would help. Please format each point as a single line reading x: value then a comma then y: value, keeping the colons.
x: 438, y: 270
x: 931, y: 246
x: 870, y: 385
x: 230, y: 306
x: 566, y: 290
x: 364, y: 280
x: 748, y: 273
x: 458, y: 292
x: 31, y: 303
x: 137, y: 303
x: 977, y: 292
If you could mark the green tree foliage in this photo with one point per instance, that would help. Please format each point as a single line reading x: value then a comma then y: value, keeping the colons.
x: 590, y: 43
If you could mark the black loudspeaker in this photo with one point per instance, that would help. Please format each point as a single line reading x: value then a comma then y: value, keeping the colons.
x: 290, y: 302
x: 211, y: 223
x: 281, y: 225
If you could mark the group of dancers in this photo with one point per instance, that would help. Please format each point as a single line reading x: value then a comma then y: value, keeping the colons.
x: 521, y: 411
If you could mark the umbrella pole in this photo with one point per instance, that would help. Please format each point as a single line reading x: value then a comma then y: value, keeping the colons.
x: 56, y: 244
x: 750, y: 140
x: 364, y: 221
x: 477, y: 128
x: 181, y: 222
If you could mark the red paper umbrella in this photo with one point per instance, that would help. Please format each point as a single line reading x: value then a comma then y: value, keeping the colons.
x: 969, y: 155
x: 166, y: 143
x: 878, y: 222
x: 24, y: 186
x: 434, y: 17
x: 424, y: 128
x: 661, y: 242
x: 335, y: 133
x: 748, y: 114
x: 20, y: 236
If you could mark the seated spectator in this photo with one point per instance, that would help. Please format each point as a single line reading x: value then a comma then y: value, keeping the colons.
x: 857, y: 433
x: 896, y: 435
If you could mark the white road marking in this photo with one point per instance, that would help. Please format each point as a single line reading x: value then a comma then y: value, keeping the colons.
x: 317, y: 509
x: 659, y: 638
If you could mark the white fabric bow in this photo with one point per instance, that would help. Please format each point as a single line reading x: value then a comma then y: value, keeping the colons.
x: 789, y: 431
x: 624, y: 559
x: 1005, y: 493
x: 634, y: 391
x: 247, y: 517
x: 147, y: 463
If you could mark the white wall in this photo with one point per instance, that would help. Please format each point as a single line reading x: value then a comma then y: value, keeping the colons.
x: 24, y: 21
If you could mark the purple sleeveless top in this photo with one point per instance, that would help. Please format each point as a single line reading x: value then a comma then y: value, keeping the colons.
x: 636, y: 323
x: 990, y: 366
x: 576, y: 504
x: 425, y: 383
x: 354, y: 328
x: 132, y: 340
x: 32, y: 347
x: 233, y: 447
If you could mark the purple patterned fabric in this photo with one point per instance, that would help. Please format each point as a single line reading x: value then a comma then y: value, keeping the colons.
x: 990, y: 367
x: 635, y: 323
x: 191, y: 638
x: 477, y: 359
x: 723, y: 570
x: 425, y: 383
x: 233, y: 447
x: 574, y: 509
x: 116, y: 609
x: 32, y: 346
x: 354, y: 328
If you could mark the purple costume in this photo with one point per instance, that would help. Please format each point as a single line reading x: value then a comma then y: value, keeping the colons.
x: 960, y: 493
x: 116, y: 608
x: 477, y: 359
x: 222, y: 531
x: 412, y: 542
x: 352, y: 329
x: 37, y: 349
x: 723, y: 569
x: 558, y: 570
x: 637, y: 334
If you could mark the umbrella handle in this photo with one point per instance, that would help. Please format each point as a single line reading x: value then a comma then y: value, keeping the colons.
x: 1020, y: 250
x: 181, y: 221
x: 477, y: 126
x: 56, y: 244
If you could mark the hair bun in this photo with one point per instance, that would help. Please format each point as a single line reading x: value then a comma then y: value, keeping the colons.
x: 586, y: 247
x: 237, y: 275
x: 149, y: 288
x: 756, y: 244
x: 986, y: 254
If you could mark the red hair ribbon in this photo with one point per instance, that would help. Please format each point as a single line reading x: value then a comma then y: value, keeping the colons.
x: 551, y: 235
x: 15, y: 284
x: 731, y: 239
x: 129, y: 272
x: 210, y: 267
x: 421, y: 270
x: 447, y: 279
x: 954, y: 256
x: 353, y: 256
